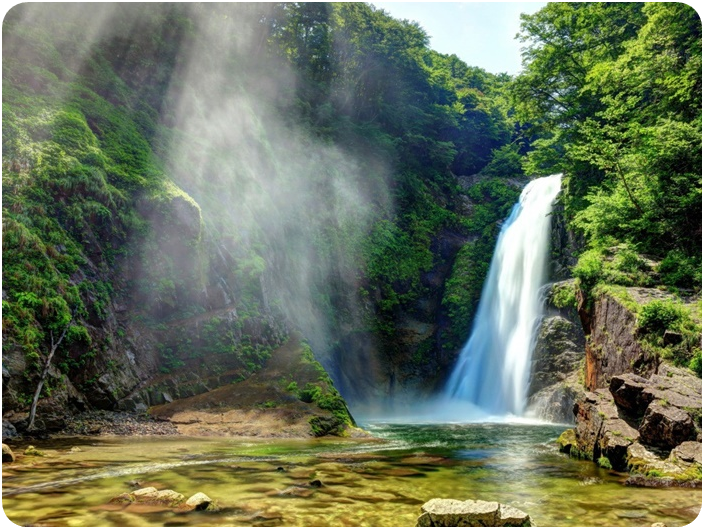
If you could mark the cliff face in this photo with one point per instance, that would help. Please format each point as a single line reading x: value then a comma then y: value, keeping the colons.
x: 558, y: 355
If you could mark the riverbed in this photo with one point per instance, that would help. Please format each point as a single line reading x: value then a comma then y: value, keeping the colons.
x: 365, y: 482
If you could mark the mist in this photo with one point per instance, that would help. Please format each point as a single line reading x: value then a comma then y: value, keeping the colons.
x: 283, y: 213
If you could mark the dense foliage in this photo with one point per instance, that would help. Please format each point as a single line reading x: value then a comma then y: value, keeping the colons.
x: 611, y: 93
x: 118, y: 183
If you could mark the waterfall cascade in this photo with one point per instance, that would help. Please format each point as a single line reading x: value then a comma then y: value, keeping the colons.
x: 494, y: 366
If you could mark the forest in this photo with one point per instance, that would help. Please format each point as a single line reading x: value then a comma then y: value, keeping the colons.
x: 193, y: 191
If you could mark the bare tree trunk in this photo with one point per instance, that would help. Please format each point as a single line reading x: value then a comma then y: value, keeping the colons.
x: 45, y: 372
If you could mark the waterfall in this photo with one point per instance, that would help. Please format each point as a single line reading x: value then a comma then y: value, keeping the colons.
x: 494, y: 366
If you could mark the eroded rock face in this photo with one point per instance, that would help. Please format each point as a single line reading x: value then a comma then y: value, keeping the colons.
x: 440, y: 512
x: 558, y: 352
x: 645, y: 425
x: 613, y: 348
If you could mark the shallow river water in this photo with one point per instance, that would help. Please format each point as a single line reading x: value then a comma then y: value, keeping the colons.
x: 365, y: 482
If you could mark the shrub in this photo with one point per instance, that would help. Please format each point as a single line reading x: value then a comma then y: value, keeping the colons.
x: 564, y: 295
x: 678, y: 270
x: 659, y: 315
x: 604, y: 462
x: 589, y: 269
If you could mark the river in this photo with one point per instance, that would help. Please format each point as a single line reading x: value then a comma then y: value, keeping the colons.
x: 380, y: 482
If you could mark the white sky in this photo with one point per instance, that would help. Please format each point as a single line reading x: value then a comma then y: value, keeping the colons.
x: 480, y: 33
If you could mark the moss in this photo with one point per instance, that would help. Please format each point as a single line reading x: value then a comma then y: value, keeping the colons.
x: 604, y: 462
x: 567, y: 441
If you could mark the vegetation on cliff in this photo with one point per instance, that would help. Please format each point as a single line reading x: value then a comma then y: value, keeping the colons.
x: 185, y: 182
x: 611, y: 96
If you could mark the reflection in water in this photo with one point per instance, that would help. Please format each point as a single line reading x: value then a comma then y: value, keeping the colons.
x: 365, y: 482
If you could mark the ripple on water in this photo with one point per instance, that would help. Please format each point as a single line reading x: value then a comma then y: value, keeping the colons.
x: 380, y: 483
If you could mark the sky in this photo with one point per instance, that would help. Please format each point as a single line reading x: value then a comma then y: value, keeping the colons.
x: 480, y: 33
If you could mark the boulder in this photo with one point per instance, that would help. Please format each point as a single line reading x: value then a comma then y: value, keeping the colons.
x: 440, y: 512
x: 627, y: 391
x: 689, y: 451
x: 199, y: 502
x: 566, y: 441
x: 7, y: 455
x: 151, y: 496
x: 616, y: 436
x: 650, y: 467
x: 8, y: 430
x: 666, y: 426
x: 590, y: 413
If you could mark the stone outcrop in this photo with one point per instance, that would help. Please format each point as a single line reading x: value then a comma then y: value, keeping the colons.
x: 650, y: 427
x: 557, y: 356
x: 440, y: 512
x: 613, y: 348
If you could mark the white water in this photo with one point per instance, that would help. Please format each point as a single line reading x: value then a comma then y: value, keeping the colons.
x: 494, y: 366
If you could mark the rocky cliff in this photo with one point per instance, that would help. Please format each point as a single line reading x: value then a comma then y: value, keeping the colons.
x: 649, y: 427
x: 558, y: 354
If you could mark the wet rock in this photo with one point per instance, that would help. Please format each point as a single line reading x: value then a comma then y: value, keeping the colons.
x: 31, y: 451
x: 652, y: 468
x: 666, y: 426
x: 8, y: 430
x: 440, y: 512
x: 7, y: 455
x: 613, y: 348
x: 590, y: 413
x: 566, y: 441
x: 200, y: 502
x: 617, y: 435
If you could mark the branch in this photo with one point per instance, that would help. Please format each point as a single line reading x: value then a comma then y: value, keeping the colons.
x: 45, y: 372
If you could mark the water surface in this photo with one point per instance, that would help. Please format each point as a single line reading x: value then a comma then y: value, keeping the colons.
x: 365, y: 482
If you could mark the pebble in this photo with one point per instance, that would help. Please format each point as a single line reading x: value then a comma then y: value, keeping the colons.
x: 102, y: 422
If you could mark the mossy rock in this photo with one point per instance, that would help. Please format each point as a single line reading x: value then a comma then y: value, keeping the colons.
x: 567, y: 441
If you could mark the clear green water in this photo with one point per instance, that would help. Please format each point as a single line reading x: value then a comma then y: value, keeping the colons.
x: 366, y: 483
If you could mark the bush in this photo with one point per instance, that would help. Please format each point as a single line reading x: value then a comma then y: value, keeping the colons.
x: 659, y: 315
x: 678, y: 270
x: 589, y: 269
x: 564, y: 295
x: 604, y: 462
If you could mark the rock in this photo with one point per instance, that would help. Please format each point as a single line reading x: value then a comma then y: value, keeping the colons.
x: 671, y: 338
x: 151, y: 496
x: 689, y: 451
x: 7, y: 455
x: 512, y: 517
x: 31, y: 451
x: 200, y: 502
x: 613, y: 348
x: 666, y: 426
x: 558, y: 350
x: 590, y: 413
x: 440, y: 512
x: 8, y: 430
x: 315, y: 483
x: 616, y: 436
x: 627, y: 391
x: 566, y: 441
